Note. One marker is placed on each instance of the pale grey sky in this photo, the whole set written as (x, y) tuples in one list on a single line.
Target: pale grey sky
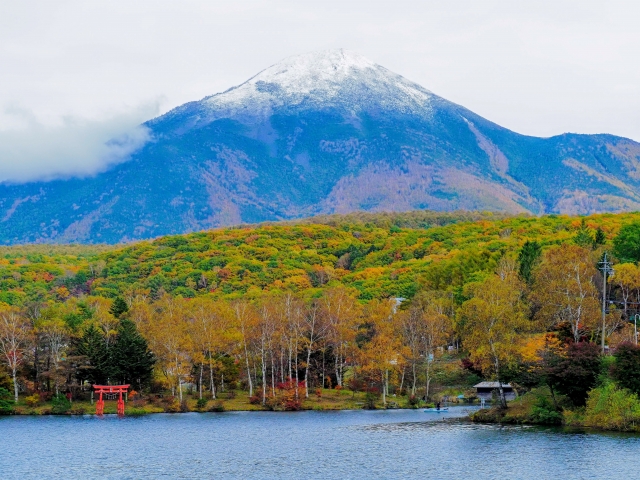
[(74, 73)]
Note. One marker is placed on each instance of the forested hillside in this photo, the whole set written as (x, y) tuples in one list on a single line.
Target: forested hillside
[(358, 301), (372, 253)]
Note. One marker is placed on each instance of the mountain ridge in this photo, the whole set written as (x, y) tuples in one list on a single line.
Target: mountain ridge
[(326, 132)]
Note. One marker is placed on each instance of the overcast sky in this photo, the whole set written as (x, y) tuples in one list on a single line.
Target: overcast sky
[(74, 74)]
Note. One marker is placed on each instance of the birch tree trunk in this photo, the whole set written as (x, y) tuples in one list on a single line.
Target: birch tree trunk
[(264, 373), (246, 357), (14, 375), (428, 375), (413, 386), (384, 390), (212, 384), (273, 378)]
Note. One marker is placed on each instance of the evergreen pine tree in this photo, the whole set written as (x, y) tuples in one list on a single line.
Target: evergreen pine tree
[(118, 307), (600, 237), (583, 238), (131, 358), (93, 346), (528, 258)]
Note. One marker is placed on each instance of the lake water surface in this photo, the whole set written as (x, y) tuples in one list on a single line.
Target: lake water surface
[(299, 445)]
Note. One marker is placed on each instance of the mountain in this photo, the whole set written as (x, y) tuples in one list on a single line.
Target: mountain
[(325, 132)]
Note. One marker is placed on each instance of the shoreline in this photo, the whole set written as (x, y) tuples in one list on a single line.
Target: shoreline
[(569, 421), (233, 401)]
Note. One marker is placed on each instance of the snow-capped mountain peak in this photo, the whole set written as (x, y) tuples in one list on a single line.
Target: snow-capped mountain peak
[(325, 79)]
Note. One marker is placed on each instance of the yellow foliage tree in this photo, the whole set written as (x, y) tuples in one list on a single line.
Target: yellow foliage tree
[(492, 322), (383, 354), (564, 290)]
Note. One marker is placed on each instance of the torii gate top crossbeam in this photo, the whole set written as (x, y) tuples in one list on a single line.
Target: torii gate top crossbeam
[(111, 388)]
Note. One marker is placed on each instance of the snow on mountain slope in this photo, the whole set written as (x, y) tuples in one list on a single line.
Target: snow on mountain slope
[(327, 79)]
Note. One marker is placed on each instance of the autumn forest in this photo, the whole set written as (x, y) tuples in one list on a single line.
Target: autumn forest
[(400, 309)]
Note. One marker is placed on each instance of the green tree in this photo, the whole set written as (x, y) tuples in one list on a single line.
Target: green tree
[(626, 245), (118, 307), (60, 404), (132, 361), (626, 370), (92, 345), (583, 237), (527, 259), (600, 238)]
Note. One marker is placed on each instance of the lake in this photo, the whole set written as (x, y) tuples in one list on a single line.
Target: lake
[(347, 444)]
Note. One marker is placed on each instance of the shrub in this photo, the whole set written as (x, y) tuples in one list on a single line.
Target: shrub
[(544, 412), (45, 396), (172, 405), (414, 401), (573, 418), (32, 400), (272, 403), (612, 408), (255, 400), (217, 407), (60, 404), (6, 402), (289, 398), (201, 403), (370, 401)]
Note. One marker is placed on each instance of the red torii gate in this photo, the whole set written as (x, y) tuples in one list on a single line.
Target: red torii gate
[(110, 389)]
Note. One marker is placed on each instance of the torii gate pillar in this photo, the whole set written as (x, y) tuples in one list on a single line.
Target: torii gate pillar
[(120, 389)]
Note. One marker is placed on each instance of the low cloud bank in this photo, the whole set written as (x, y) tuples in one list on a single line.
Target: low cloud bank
[(74, 147)]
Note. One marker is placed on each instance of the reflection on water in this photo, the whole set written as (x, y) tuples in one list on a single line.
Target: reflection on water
[(352, 444)]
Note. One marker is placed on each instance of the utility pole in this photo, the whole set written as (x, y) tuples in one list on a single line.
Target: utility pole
[(606, 269)]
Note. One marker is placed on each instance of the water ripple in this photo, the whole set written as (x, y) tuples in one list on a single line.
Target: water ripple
[(327, 445)]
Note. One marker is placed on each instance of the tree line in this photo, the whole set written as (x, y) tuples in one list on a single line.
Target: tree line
[(265, 341)]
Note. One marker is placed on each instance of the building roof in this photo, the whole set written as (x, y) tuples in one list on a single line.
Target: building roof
[(492, 385)]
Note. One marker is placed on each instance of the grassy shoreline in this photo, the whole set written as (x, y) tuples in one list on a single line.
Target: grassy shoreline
[(329, 400)]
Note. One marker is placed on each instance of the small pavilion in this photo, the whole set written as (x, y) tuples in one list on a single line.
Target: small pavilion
[(485, 390)]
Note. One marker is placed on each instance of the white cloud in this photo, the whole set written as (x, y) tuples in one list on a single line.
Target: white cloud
[(73, 146)]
